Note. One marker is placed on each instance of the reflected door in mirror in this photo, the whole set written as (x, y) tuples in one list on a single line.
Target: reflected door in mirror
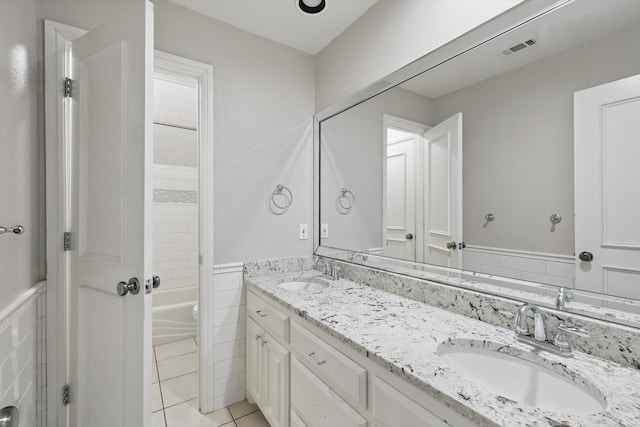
[(607, 149)]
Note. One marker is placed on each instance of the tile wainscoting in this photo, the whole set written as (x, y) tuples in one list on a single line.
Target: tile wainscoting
[(229, 329), (23, 365)]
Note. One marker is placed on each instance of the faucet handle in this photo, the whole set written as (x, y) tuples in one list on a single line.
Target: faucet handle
[(573, 330), (337, 271)]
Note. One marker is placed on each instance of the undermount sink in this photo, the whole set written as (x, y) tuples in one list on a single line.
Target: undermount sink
[(305, 285), (514, 378)]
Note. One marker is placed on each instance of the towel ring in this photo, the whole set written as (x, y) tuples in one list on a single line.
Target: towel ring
[(286, 196), (345, 201)]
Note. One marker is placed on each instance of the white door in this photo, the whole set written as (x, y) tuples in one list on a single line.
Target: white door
[(110, 335), (442, 181), (400, 199), (607, 199)]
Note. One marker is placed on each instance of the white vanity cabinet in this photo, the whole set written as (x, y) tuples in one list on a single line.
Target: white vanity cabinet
[(268, 361), (311, 379)]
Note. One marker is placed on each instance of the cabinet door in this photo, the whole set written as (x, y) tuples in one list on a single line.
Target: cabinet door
[(254, 341), (391, 408), (317, 403), (275, 393)]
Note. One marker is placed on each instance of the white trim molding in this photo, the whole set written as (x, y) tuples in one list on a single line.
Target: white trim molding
[(203, 73)]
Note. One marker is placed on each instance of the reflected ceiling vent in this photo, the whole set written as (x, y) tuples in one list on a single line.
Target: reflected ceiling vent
[(519, 47)]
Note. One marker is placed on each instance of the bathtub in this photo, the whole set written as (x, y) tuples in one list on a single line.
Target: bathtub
[(173, 314)]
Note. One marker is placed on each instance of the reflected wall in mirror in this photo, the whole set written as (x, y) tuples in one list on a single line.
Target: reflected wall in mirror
[(509, 202)]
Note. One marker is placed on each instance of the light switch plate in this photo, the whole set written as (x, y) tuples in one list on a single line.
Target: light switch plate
[(324, 231), (304, 232)]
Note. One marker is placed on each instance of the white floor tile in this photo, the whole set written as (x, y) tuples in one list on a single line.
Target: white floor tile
[(255, 419), (180, 389), (187, 414), (241, 409), (157, 419), (156, 398), (176, 366), (177, 348), (154, 372)]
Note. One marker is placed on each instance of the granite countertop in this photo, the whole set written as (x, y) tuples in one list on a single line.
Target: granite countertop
[(403, 336)]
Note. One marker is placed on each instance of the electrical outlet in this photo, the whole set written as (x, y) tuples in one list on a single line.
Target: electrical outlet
[(304, 232), (324, 231)]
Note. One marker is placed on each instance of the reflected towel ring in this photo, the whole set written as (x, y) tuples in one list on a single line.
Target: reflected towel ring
[(286, 198), (345, 201)]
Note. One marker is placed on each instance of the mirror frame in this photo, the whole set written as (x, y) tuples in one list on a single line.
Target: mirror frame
[(511, 19)]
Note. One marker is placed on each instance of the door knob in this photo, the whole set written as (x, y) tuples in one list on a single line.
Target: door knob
[(585, 256), (156, 282), (409, 236), (452, 245), (132, 286)]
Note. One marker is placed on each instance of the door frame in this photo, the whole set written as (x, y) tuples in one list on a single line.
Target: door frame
[(203, 73), (418, 129), (57, 41)]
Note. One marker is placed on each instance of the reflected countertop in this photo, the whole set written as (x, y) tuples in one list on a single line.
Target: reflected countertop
[(402, 335)]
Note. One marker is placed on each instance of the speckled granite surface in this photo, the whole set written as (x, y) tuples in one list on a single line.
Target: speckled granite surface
[(614, 342), (403, 336)]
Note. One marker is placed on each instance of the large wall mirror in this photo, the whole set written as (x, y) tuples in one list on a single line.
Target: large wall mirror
[(514, 152)]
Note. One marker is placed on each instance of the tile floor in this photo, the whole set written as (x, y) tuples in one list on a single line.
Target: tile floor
[(175, 392)]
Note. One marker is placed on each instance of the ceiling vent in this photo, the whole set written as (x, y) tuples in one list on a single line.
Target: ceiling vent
[(518, 47)]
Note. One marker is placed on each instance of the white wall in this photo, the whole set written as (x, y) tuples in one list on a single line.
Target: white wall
[(391, 34), (264, 104), (518, 154), (352, 150), (21, 258)]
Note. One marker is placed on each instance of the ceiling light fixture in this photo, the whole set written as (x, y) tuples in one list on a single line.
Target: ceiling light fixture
[(312, 6)]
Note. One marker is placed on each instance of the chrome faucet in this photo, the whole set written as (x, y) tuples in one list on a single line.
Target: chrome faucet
[(559, 345), (522, 328), (326, 269), (564, 296)]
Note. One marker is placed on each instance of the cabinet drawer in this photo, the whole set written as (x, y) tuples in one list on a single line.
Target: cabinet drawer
[(392, 408), (268, 316), (319, 404), (341, 373)]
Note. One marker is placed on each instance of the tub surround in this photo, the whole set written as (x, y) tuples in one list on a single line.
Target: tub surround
[(402, 334)]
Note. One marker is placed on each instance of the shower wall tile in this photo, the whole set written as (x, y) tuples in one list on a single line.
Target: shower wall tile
[(229, 335), (23, 356), (175, 228)]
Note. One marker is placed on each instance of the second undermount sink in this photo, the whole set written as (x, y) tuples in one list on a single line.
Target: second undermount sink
[(524, 381), (305, 284)]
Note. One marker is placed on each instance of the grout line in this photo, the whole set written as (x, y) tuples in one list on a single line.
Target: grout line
[(177, 355), (177, 376), (249, 413)]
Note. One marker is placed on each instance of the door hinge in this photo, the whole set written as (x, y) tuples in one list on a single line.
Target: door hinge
[(67, 241), (67, 87), (66, 395)]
